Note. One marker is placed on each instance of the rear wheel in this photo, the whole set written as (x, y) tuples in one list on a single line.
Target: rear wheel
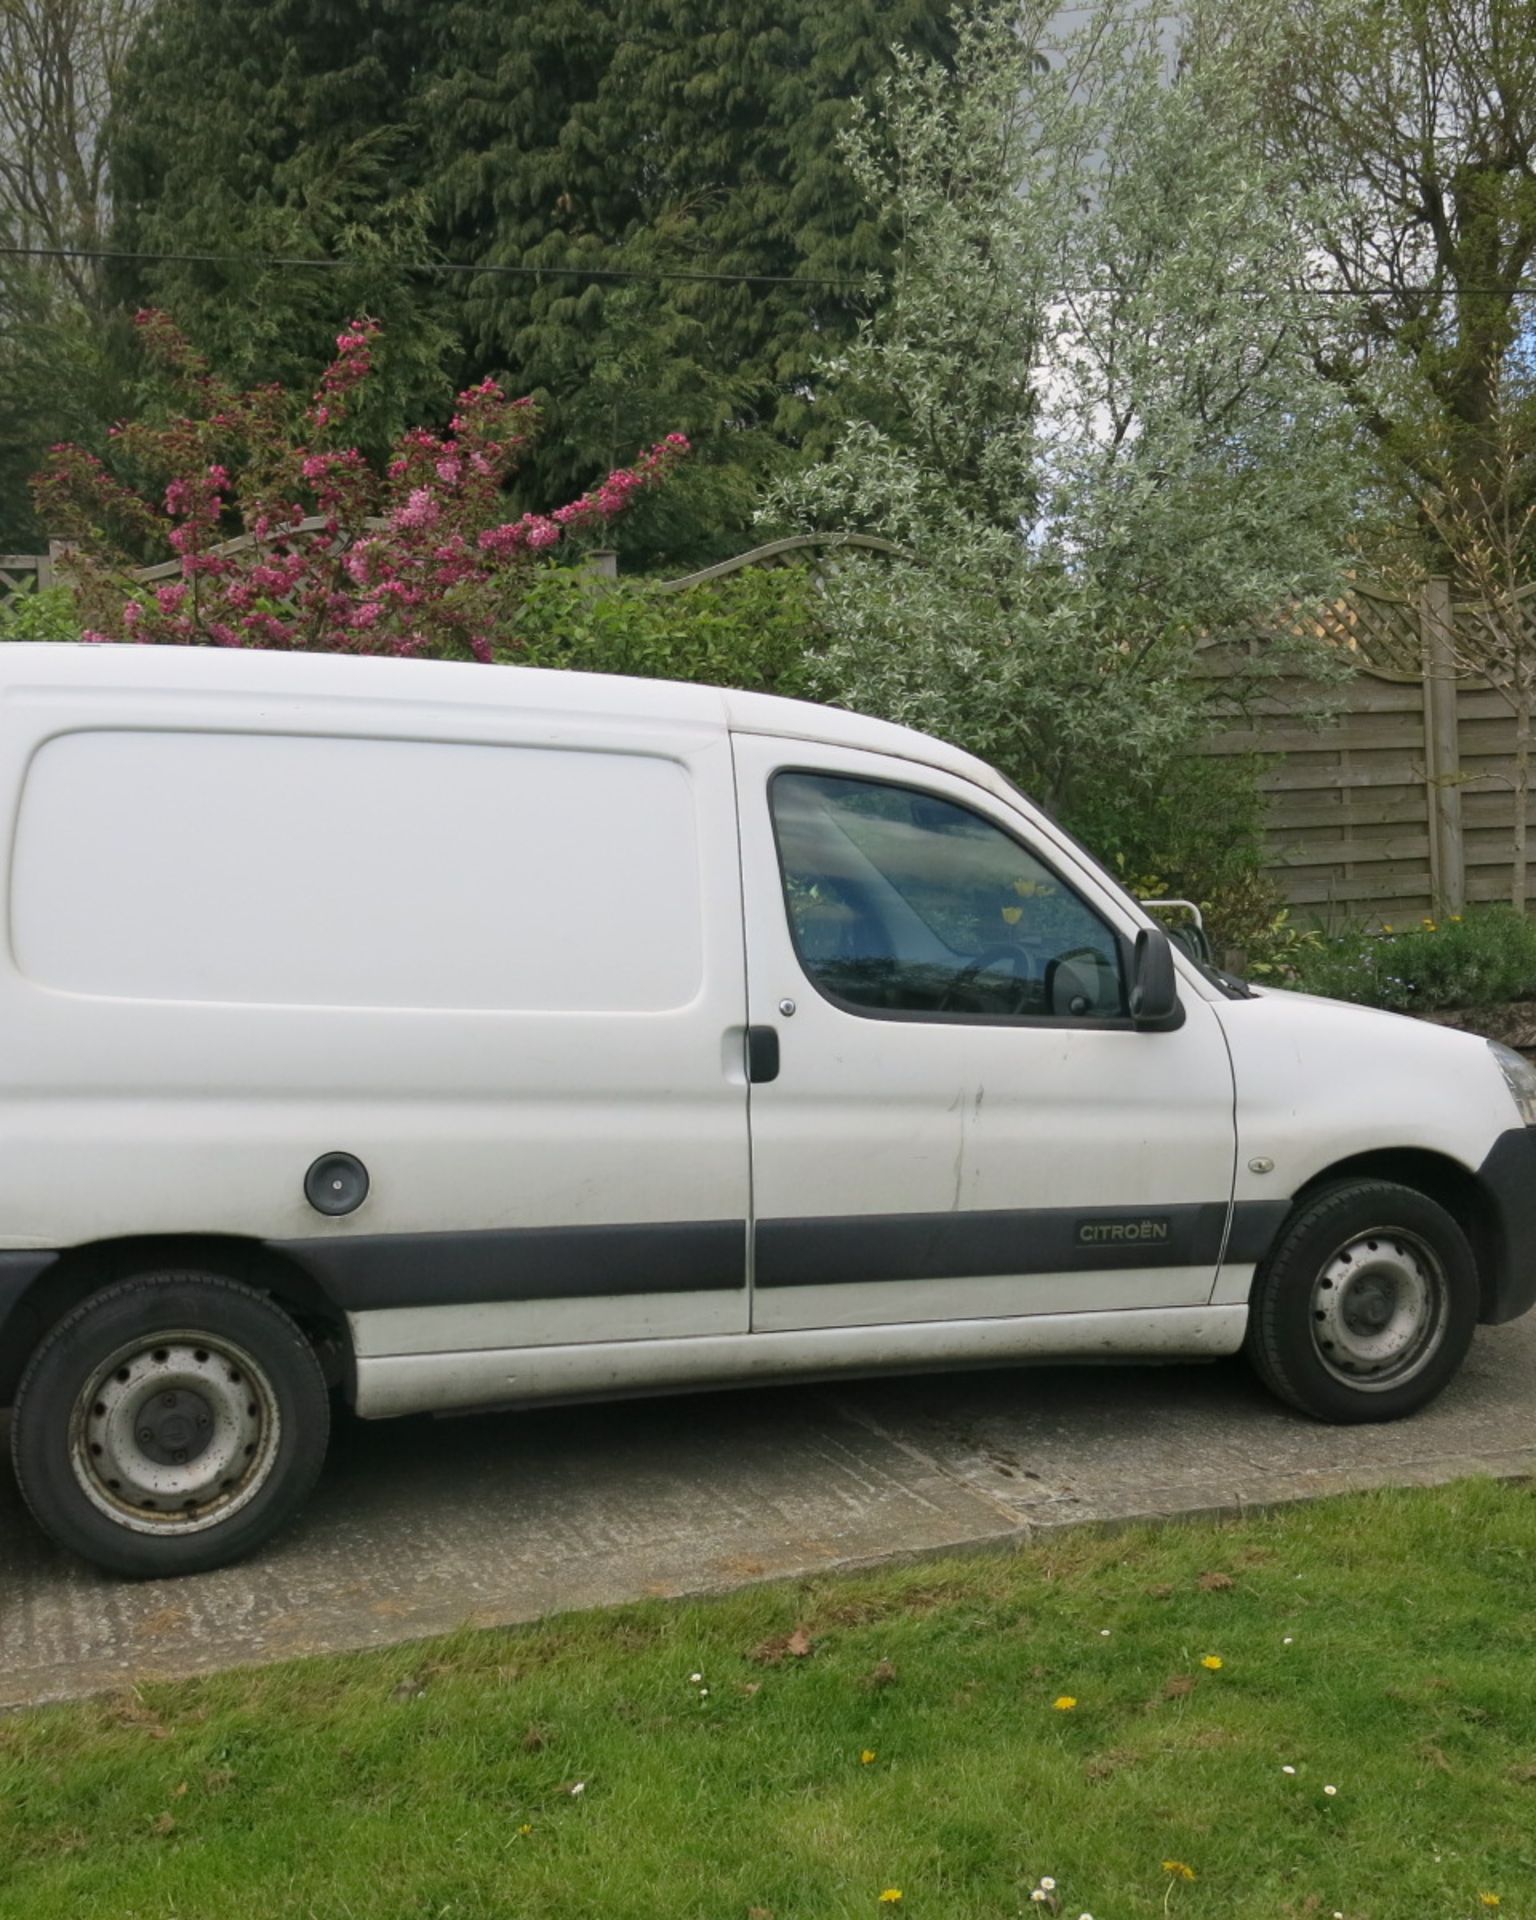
[(170, 1424), (1367, 1305)]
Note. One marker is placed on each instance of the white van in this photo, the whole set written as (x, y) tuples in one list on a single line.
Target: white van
[(448, 1036)]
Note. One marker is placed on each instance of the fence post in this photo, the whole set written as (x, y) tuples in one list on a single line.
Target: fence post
[(1442, 748)]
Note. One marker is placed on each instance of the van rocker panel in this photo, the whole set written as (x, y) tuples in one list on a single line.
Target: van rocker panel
[(511, 1376)]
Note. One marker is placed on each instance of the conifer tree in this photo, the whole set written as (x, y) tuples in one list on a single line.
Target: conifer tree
[(656, 141)]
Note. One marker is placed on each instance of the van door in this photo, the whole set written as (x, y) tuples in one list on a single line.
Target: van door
[(964, 1123)]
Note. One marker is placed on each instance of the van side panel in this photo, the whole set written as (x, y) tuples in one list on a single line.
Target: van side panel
[(496, 955)]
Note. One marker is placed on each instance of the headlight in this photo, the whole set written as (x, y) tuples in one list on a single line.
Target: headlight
[(1519, 1077)]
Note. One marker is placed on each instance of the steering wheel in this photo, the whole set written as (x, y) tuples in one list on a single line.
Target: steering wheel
[(994, 956)]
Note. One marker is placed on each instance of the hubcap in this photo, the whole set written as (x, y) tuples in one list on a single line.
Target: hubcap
[(1379, 1310), (174, 1433)]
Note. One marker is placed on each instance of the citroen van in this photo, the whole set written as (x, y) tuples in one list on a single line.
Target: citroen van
[(402, 1037)]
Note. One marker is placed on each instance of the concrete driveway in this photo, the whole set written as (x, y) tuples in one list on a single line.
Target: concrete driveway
[(420, 1526)]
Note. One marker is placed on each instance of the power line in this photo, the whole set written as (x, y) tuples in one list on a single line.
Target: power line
[(1519, 289), (558, 272)]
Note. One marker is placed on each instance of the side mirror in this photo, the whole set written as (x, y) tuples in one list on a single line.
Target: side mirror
[(1154, 983)]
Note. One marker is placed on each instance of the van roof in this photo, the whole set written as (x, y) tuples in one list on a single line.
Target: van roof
[(463, 683)]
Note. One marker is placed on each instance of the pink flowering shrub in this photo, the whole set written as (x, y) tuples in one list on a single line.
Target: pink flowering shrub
[(417, 559)]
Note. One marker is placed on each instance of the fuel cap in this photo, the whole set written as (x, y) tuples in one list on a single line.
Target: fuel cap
[(337, 1183)]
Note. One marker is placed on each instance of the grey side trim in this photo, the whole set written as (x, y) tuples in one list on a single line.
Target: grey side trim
[(848, 1248), (1508, 1178), (363, 1273), (17, 1272), (1255, 1224), (20, 1325), (367, 1273)]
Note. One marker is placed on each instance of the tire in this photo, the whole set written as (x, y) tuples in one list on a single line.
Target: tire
[(1366, 1305), (169, 1424)]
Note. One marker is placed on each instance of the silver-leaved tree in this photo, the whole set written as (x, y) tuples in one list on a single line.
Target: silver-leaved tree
[(1084, 405)]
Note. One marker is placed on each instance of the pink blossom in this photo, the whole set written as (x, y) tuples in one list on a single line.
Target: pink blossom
[(542, 532), (133, 613), (449, 470), (421, 510), (170, 596), (503, 540), (266, 627)]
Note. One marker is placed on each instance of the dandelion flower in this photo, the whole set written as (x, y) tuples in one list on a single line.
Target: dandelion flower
[(1178, 1868), (578, 1790), (1287, 1769), (1330, 1791), (1103, 1633), (525, 1829), (1213, 1661), (891, 1897), (1038, 1896), (695, 1678), (1489, 1899), (867, 1757), (1048, 1883), (1065, 1702)]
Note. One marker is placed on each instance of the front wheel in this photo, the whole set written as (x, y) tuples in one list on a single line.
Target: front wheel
[(1366, 1306), (170, 1424)]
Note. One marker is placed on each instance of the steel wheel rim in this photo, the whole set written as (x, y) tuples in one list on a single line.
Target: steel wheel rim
[(174, 1433), (1379, 1309)]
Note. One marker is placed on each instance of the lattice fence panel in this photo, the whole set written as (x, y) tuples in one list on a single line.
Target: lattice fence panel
[(21, 574)]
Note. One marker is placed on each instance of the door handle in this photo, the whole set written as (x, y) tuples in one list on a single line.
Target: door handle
[(762, 1054)]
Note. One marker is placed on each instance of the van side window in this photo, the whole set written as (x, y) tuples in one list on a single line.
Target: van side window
[(903, 903)]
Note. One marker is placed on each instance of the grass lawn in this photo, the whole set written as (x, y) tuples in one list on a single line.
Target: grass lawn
[(950, 1732)]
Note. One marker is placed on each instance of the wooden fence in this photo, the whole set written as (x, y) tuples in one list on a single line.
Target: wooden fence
[(1401, 805), (24, 573)]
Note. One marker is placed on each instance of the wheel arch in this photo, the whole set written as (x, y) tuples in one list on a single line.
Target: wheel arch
[(1441, 1179), (77, 1272)]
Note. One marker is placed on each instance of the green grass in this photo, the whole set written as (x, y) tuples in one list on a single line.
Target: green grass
[(1384, 1644)]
